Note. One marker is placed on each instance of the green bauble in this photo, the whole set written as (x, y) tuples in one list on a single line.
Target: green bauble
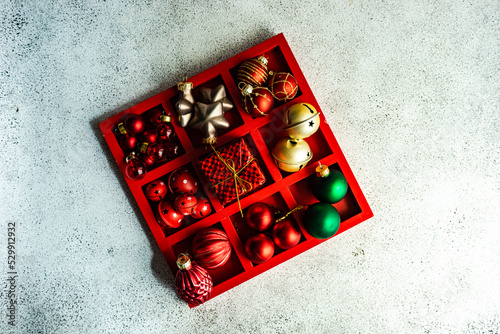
[(321, 220), (330, 188)]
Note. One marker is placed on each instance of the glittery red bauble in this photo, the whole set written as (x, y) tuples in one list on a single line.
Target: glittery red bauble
[(192, 282), (182, 181), (185, 203), (259, 102), (168, 216), (172, 149), (259, 216), (165, 131), (253, 71), (153, 116), (203, 208), (135, 169), (156, 190), (149, 136), (157, 152), (127, 142), (211, 248), (283, 86), (134, 124), (259, 248), (286, 234)]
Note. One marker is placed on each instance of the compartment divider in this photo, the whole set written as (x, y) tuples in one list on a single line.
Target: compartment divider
[(265, 154), (236, 243)]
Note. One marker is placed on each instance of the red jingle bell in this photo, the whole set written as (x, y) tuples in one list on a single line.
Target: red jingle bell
[(168, 216), (182, 181), (253, 71), (132, 124), (165, 129), (135, 169), (259, 216), (211, 248), (285, 234), (127, 142), (259, 248), (153, 116), (156, 190), (192, 282), (258, 102), (203, 208), (149, 136), (283, 86), (185, 204)]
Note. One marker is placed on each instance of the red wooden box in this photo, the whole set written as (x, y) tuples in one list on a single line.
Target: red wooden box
[(283, 190)]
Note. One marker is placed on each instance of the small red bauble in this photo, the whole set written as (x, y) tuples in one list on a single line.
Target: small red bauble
[(144, 158), (185, 203), (149, 136), (211, 248), (259, 216), (285, 234), (259, 248), (155, 151), (258, 101), (135, 169), (156, 190), (127, 142), (165, 131), (172, 149), (283, 86), (168, 216), (203, 208), (192, 282), (153, 116), (253, 71), (182, 181), (132, 124)]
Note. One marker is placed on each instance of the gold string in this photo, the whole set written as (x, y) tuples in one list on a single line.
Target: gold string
[(300, 207)]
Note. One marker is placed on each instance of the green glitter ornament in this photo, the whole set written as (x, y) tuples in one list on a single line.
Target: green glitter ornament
[(321, 220), (329, 186)]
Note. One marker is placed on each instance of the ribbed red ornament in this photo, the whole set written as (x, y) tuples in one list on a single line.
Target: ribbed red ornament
[(211, 248), (283, 86), (253, 71), (192, 282)]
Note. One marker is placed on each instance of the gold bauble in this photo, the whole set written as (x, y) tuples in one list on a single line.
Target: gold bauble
[(301, 121), (291, 155)]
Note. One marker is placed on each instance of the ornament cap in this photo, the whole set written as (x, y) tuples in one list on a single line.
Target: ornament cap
[(210, 140), (184, 85), (184, 262), (121, 128), (143, 147), (262, 59), (131, 156), (322, 171), (166, 118), (247, 90)]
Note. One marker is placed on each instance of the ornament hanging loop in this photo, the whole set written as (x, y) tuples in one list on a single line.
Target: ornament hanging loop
[(300, 207)]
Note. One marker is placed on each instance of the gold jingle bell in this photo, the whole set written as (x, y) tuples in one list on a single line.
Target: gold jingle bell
[(301, 121), (291, 155)]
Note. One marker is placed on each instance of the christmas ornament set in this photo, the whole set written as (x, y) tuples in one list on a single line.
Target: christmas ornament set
[(207, 179)]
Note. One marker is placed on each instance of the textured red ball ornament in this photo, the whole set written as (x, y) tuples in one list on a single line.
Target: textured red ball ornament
[(283, 86), (203, 208), (192, 282), (259, 216), (211, 248), (258, 101), (128, 142), (185, 204), (135, 169), (168, 216), (153, 116), (156, 190), (285, 234), (149, 136), (182, 181), (132, 124), (253, 71), (259, 248)]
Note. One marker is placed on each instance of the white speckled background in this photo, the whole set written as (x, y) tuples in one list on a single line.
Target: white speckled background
[(411, 90)]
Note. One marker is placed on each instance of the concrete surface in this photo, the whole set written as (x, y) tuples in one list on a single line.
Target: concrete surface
[(411, 89)]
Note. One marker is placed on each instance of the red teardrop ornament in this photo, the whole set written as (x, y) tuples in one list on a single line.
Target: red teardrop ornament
[(192, 282), (211, 248)]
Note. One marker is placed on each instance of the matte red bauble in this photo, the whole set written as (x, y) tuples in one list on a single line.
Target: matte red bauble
[(168, 216), (127, 142), (149, 136), (203, 208), (259, 248), (185, 203), (285, 234), (192, 282), (211, 248), (182, 181), (153, 116), (132, 124), (258, 102), (253, 71), (135, 169), (156, 190), (259, 216), (283, 86)]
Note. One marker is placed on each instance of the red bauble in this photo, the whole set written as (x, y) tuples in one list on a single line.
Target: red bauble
[(156, 190), (172, 149), (203, 208), (135, 169), (192, 282), (149, 136), (165, 131), (259, 248), (182, 181), (185, 204), (153, 116), (259, 216), (258, 102), (211, 248), (144, 158), (283, 86), (253, 71), (127, 142), (285, 234), (132, 124), (155, 151), (168, 216)]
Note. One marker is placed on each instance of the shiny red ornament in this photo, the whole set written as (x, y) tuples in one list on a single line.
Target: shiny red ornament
[(285, 234), (132, 124), (165, 129), (168, 216), (153, 116), (155, 151), (128, 142), (259, 216), (144, 158), (185, 203), (135, 169), (172, 149), (211, 248), (253, 71), (192, 282), (258, 102), (149, 136), (182, 181), (203, 208), (283, 86), (259, 248), (156, 190)]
